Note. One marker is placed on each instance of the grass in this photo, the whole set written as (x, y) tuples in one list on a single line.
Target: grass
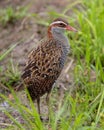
[(82, 109), (10, 15)]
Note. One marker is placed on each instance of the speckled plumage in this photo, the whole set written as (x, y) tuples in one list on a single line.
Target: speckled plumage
[(44, 67), (46, 62)]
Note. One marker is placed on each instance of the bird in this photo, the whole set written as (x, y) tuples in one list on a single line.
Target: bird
[(46, 61)]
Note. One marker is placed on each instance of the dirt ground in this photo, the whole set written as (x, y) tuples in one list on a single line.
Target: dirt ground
[(26, 32)]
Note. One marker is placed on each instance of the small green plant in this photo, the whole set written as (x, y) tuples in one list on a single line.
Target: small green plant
[(4, 54), (12, 75), (10, 15)]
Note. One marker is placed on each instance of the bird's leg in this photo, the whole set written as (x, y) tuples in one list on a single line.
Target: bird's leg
[(38, 104), (48, 102)]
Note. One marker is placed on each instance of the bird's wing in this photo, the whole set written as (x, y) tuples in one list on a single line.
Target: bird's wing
[(44, 64)]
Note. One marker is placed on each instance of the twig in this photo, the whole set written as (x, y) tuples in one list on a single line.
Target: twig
[(95, 99), (3, 86), (69, 66), (5, 124)]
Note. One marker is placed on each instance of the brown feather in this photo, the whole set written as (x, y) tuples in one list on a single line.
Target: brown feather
[(43, 67)]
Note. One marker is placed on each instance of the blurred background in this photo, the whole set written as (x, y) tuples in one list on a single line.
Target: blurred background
[(80, 99)]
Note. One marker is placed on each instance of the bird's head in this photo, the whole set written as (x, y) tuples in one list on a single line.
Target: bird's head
[(59, 25)]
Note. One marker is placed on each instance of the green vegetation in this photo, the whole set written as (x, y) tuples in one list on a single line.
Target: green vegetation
[(82, 109), (10, 15)]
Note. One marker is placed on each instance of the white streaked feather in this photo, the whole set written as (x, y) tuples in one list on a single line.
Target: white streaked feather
[(57, 22)]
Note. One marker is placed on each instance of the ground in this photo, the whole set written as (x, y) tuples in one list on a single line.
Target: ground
[(26, 33)]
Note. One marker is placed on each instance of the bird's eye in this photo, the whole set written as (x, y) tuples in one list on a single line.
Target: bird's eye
[(62, 25)]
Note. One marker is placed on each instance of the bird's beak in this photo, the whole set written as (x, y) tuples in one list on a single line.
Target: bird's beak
[(69, 28)]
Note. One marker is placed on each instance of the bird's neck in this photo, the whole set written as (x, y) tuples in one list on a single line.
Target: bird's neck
[(57, 34), (60, 36)]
